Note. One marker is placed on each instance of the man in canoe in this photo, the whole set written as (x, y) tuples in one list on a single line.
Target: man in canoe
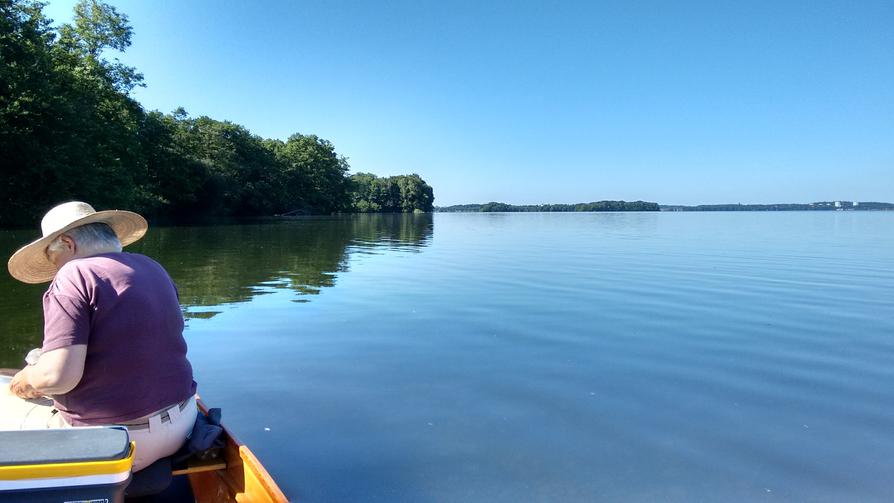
[(113, 349)]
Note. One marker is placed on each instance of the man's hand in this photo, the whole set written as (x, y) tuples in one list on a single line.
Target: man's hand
[(19, 386)]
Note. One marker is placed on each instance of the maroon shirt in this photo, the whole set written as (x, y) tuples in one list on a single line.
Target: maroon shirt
[(125, 308)]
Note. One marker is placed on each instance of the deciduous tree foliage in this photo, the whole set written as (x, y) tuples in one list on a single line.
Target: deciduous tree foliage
[(395, 194), (69, 129)]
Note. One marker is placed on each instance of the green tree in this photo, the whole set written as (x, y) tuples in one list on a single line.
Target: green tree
[(28, 104), (177, 181), (69, 129), (395, 194), (103, 121), (314, 174)]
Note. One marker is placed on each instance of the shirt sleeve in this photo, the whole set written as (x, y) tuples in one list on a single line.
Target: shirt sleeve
[(66, 321)]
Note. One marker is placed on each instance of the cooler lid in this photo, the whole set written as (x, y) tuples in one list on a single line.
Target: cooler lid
[(68, 445)]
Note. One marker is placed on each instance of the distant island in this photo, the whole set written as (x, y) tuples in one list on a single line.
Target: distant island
[(818, 206), (493, 207)]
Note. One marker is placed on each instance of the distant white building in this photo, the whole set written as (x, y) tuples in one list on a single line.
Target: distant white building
[(838, 204), (856, 203)]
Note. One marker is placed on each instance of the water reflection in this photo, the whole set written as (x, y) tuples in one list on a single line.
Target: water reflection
[(226, 264)]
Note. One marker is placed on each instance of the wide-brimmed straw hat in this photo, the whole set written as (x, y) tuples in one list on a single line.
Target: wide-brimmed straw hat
[(30, 263)]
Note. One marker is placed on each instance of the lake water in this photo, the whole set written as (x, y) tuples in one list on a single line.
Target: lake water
[(541, 357)]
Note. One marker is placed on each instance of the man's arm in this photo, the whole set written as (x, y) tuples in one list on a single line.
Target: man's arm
[(56, 372)]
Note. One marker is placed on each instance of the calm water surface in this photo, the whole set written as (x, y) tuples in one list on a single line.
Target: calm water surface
[(541, 357)]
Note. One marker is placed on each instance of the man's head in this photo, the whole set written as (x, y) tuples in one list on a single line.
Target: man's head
[(83, 241), (74, 230)]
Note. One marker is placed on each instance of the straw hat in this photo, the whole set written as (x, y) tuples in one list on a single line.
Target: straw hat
[(30, 263)]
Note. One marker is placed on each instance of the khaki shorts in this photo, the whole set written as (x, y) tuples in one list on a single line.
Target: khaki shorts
[(156, 435)]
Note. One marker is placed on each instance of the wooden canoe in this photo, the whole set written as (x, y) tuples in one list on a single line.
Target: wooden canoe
[(239, 477)]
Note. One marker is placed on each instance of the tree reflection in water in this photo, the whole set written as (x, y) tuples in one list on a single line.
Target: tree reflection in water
[(228, 263)]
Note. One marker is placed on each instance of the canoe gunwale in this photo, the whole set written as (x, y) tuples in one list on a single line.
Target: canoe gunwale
[(244, 479)]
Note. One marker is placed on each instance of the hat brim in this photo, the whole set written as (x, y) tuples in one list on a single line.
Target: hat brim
[(30, 264)]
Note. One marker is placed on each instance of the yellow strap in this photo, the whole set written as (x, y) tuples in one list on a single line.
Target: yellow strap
[(78, 469)]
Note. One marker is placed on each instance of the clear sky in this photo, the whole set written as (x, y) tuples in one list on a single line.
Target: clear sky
[(534, 102)]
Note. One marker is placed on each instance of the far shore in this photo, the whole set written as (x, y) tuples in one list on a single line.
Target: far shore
[(601, 206)]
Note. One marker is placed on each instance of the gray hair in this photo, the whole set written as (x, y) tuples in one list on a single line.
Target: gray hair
[(91, 239)]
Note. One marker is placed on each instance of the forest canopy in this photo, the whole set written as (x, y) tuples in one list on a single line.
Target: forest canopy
[(70, 129)]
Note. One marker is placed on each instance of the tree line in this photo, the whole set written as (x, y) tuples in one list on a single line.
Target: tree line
[(593, 206), (403, 193), (69, 129), (817, 206)]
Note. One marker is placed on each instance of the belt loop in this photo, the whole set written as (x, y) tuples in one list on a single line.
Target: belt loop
[(155, 423), (174, 413), (50, 423)]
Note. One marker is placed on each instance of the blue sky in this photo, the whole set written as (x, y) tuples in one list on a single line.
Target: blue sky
[(535, 102)]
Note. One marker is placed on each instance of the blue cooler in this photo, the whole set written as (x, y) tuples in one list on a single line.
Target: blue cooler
[(71, 464)]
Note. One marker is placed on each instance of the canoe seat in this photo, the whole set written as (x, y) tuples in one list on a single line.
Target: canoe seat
[(197, 465)]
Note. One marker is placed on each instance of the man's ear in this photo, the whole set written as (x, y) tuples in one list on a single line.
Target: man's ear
[(70, 243)]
